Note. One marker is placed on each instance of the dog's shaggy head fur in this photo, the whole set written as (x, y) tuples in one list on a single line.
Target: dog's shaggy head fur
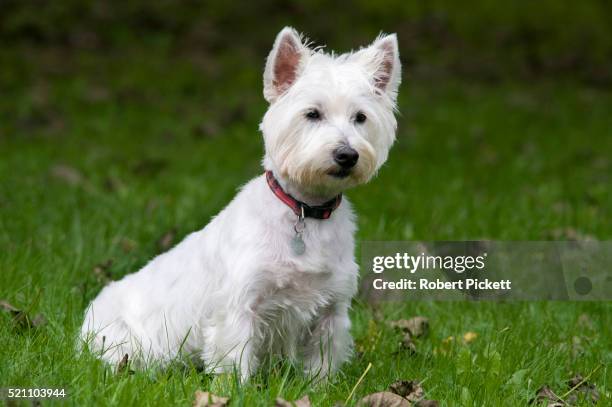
[(320, 102)]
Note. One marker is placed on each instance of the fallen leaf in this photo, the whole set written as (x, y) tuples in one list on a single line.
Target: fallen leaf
[(383, 399), (416, 326), (586, 389), (6, 306), (127, 245), (469, 337), (546, 394), (207, 129), (67, 174), (165, 242), (571, 234), (584, 321), (407, 344), (206, 399), (39, 320), (101, 271), (123, 366), (21, 319), (411, 390), (303, 402)]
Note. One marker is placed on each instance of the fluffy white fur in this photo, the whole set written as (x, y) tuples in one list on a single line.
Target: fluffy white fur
[(234, 292)]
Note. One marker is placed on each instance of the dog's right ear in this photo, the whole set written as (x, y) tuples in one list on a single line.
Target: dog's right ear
[(284, 63)]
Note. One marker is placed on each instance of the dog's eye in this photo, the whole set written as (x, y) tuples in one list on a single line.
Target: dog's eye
[(313, 114), (360, 117)]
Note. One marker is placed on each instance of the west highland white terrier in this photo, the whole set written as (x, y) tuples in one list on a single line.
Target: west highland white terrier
[(274, 272)]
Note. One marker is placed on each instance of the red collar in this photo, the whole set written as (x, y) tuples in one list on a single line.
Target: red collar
[(318, 212)]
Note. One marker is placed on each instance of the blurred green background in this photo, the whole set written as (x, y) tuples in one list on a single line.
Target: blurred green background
[(483, 40), (504, 107), (213, 52)]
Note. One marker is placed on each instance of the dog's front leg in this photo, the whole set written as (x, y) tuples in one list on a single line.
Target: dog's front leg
[(330, 343), (235, 346)]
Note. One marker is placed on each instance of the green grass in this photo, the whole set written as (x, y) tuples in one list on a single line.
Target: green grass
[(161, 143)]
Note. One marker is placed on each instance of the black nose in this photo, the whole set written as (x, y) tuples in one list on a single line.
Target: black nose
[(346, 157)]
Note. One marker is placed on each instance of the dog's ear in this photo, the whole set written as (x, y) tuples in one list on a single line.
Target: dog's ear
[(381, 60), (283, 65)]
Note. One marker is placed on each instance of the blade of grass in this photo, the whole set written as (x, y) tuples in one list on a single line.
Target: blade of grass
[(358, 382)]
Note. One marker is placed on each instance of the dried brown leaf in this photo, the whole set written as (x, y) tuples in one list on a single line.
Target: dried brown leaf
[(411, 390), (124, 364), (101, 271), (165, 242), (383, 399), (21, 319), (416, 326), (6, 306), (546, 394), (407, 344), (206, 399), (303, 402), (207, 129), (584, 321), (588, 390), (571, 234), (39, 320), (67, 174), (127, 245)]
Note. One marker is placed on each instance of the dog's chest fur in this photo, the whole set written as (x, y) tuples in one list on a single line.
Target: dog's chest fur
[(294, 290), (293, 296)]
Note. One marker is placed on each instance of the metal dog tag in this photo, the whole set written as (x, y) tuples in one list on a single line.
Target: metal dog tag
[(298, 247)]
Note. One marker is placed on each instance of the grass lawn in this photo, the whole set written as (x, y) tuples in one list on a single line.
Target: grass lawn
[(101, 157)]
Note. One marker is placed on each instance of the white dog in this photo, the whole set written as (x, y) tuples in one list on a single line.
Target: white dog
[(274, 272)]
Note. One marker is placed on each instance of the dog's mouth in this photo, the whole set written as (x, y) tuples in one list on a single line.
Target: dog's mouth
[(340, 172)]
